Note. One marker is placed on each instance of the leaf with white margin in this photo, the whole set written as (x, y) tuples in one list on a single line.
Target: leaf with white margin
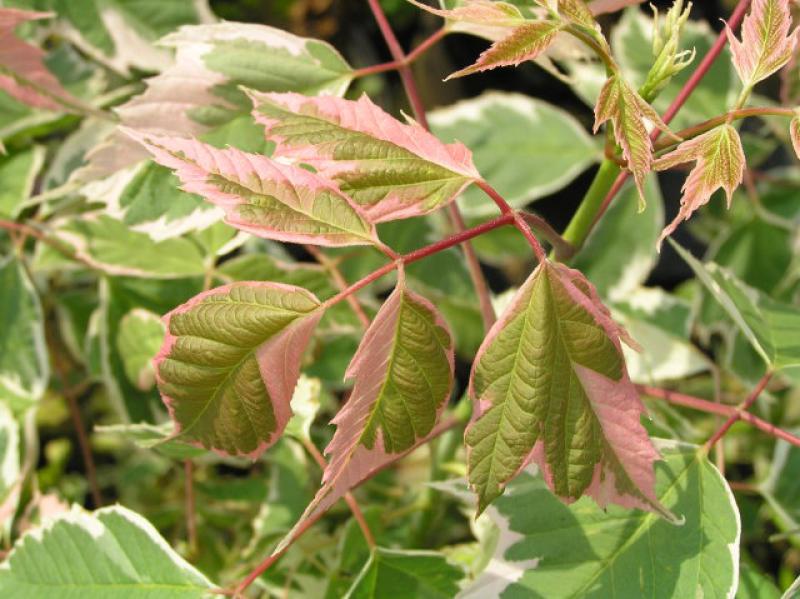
[(24, 365), (407, 575), (108, 245), (554, 550), (230, 362), (403, 372), (509, 132), (122, 34), (261, 196), (139, 338), (23, 74), (10, 485), (771, 327), (550, 386), (158, 437), (201, 90), (112, 552), (305, 405), (391, 169), (17, 176)]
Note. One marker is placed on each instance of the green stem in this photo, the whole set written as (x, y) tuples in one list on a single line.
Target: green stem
[(581, 223)]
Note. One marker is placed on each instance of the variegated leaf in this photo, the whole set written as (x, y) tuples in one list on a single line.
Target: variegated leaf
[(794, 134), (719, 163), (230, 362), (403, 372), (261, 196), (391, 169), (550, 386), (22, 72), (628, 113), (766, 43)]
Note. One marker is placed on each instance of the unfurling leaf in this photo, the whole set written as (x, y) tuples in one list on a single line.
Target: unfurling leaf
[(392, 170), (525, 42), (628, 112), (766, 43), (794, 133), (719, 161), (230, 362), (261, 196), (22, 72), (403, 372), (550, 386)]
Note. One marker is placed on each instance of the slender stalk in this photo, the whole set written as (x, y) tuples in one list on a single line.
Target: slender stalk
[(702, 69), (728, 117), (348, 497), (562, 248), (395, 65), (519, 221), (578, 229), (340, 281), (710, 407), (743, 407), (419, 254), (37, 233), (454, 214), (191, 516)]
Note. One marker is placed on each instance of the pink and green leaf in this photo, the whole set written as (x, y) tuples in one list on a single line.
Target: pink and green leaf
[(627, 111), (391, 169), (487, 13), (262, 196), (719, 163), (550, 386), (766, 44), (230, 361), (23, 74), (403, 373)]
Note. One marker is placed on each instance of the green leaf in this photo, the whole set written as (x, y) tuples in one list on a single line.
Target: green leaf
[(17, 176), (621, 251), (406, 575), (525, 147), (553, 550), (138, 339), (158, 437), (550, 385), (781, 491), (230, 361), (772, 328), (112, 247), (754, 584), (112, 552), (24, 365)]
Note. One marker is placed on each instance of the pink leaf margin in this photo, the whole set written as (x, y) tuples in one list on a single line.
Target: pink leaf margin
[(199, 159), (278, 359)]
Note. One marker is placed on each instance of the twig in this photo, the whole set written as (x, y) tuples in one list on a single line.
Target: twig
[(348, 497), (743, 407), (454, 214), (410, 58), (702, 405), (340, 281)]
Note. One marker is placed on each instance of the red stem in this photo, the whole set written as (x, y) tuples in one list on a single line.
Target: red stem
[(421, 253), (519, 221), (687, 89), (410, 86), (710, 407), (743, 407), (395, 65)]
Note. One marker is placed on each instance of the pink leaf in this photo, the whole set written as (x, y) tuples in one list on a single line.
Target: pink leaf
[(261, 196), (230, 361), (480, 12), (628, 112), (766, 43), (719, 163), (403, 372), (393, 170), (25, 76)]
